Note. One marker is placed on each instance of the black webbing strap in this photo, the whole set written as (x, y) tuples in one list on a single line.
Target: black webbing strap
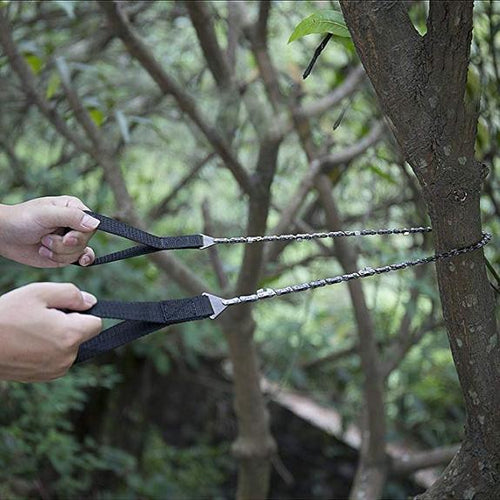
[(140, 318), (148, 242)]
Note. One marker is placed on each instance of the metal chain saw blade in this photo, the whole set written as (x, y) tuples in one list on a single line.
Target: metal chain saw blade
[(313, 236), (219, 304)]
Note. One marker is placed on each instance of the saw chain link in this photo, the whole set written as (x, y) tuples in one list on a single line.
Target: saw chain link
[(267, 293)]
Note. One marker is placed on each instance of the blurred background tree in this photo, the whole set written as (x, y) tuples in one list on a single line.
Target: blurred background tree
[(188, 117)]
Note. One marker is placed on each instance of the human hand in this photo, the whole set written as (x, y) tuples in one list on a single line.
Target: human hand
[(38, 341), (32, 233)]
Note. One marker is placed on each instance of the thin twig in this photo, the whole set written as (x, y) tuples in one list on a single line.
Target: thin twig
[(139, 51), (317, 53), (348, 87), (162, 206)]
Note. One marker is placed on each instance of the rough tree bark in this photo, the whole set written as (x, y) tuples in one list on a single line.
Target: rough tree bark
[(420, 82)]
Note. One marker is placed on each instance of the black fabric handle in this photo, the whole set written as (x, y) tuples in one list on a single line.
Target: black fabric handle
[(148, 242), (140, 318)]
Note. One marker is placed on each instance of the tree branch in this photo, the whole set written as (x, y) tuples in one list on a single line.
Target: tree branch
[(233, 34), (258, 211), (256, 33), (330, 358), (404, 465), (399, 348), (261, 24), (29, 86), (349, 153), (160, 209), (201, 18), (372, 469), (167, 85), (323, 164), (99, 151), (449, 26), (326, 103), (114, 175)]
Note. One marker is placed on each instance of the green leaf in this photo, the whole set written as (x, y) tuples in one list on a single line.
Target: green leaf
[(97, 116), (52, 85), (34, 62), (325, 21)]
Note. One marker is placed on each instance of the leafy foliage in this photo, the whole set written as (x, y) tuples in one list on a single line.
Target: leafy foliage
[(176, 473), (37, 437), (325, 21)]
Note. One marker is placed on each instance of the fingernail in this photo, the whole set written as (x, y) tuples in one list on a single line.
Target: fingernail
[(45, 252), (89, 222), (47, 241), (70, 242), (85, 260), (89, 299)]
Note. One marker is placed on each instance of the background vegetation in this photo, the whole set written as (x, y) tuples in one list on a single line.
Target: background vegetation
[(156, 418)]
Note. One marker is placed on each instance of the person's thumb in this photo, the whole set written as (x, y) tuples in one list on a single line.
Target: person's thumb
[(64, 296), (74, 218)]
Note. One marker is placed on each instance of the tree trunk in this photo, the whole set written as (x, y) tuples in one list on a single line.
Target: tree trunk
[(254, 446), (436, 130)]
